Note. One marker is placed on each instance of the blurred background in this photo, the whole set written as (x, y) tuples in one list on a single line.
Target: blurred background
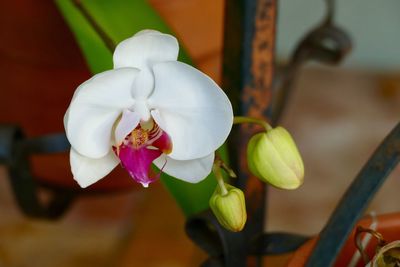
[(338, 116)]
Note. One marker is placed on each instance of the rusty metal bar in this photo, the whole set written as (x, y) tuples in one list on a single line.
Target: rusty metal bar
[(327, 43), (248, 67), (355, 201)]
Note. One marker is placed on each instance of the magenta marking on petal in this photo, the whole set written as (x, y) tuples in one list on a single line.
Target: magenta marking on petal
[(163, 142), (139, 149), (137, 161)]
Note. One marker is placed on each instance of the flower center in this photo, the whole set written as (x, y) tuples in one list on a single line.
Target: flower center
[(139, 137), (140, 148)]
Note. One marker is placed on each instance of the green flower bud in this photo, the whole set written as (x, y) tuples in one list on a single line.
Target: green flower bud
[(229, 208), (273, 157)]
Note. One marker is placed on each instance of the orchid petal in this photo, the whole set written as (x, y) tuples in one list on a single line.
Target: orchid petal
[(192, 171), (191, 108), (129, 121), (144, 84), (163, 143), (145, 48), (96, 105), (87, 171)]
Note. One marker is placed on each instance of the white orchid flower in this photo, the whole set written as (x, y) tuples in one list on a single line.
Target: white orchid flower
[(149, 109)]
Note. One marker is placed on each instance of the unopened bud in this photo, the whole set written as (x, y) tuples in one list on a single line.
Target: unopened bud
[(229, 209), (273, 157)]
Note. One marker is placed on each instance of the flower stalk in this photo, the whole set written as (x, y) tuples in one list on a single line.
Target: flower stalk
[(242, 119), (217, 166), (220, 179)]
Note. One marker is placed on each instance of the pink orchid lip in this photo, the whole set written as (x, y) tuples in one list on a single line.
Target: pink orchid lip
[(138, 151)]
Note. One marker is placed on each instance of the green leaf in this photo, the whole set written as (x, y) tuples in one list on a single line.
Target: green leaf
[(97, 55), (193, 198), (121, 19)]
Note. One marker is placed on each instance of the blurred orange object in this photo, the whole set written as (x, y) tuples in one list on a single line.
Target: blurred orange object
[(40, 66), (387, 224), (199, 24)]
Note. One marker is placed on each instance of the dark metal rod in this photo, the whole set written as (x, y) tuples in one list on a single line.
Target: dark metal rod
[(52, 143), (356, 200), (15, 150), (327, 43), (277, 243), (330, 11), (248, 66), (25, 188)]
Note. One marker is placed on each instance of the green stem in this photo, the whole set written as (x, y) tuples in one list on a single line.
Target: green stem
[(219, 177), (240, 119)]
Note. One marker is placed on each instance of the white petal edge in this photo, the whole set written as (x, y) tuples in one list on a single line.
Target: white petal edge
[(96, 105), (191, 108), (128, 122), (87, 171), (145, 48), (192, 171)]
